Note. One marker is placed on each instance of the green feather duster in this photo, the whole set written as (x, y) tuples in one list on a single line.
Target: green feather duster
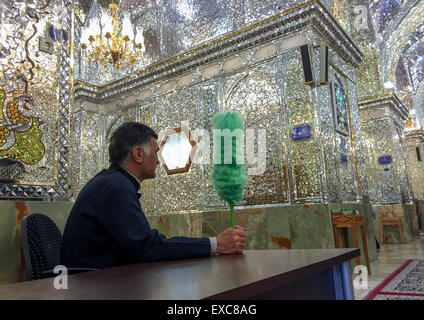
[(229, 176)]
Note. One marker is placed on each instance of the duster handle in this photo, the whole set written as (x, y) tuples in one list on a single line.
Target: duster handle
[(233, 218)]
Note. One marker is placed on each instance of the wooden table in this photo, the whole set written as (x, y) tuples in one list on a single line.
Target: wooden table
[(255, 274), (344, 221)]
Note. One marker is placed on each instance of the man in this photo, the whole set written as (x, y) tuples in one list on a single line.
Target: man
[(418, 212), (107, 227), (366, 200)]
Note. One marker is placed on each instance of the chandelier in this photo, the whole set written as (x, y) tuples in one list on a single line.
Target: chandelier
[(112, 42)]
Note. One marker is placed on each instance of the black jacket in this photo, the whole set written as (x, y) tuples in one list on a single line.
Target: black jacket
[(107, 227)]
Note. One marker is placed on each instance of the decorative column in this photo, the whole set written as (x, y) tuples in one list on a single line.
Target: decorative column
[(86, 150), (415, 147), (383, 133)]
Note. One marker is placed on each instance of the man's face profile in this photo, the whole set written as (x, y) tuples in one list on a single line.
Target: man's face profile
[(150, 161)]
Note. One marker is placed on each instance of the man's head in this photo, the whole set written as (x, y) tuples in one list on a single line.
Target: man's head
[(134, 146)]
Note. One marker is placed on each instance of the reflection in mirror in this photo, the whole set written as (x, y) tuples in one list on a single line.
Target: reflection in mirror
[(176, 150)]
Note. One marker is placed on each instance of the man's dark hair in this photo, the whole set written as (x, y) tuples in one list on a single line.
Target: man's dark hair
[(126, 137)]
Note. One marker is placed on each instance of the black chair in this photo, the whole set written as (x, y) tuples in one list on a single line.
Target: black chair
[(41, 240)]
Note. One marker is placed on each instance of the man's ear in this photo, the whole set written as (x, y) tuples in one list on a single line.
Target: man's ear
[(137, 154)]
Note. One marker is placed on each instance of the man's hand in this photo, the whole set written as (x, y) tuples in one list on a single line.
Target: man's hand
[(231, 241)]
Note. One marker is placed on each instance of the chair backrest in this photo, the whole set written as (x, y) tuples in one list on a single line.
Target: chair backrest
[(41, 240), (387, 215)]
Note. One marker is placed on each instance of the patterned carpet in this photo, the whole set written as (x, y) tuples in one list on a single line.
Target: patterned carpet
[(406, 283)]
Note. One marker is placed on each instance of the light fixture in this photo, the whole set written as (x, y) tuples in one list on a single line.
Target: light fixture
[(177, 150), (108, 41), (389, 85)]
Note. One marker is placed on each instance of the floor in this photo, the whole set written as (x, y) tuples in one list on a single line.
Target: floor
[(390, 257)]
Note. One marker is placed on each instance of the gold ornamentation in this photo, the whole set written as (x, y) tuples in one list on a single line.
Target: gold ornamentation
[(4, 133), (113, 45), (28, 146), (22, 143), (226, 37), (13, 113)]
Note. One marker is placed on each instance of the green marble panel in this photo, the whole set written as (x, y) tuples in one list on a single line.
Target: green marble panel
[(286, 227), (310, 226), (10, 259), (210, 224), (411, 221), (420, 218), (255, 223), (278, 228), (253, 220), (11, 214), (186, 225), (161, 223)]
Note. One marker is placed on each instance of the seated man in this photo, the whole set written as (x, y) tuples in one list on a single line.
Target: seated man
[(107, 227)]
